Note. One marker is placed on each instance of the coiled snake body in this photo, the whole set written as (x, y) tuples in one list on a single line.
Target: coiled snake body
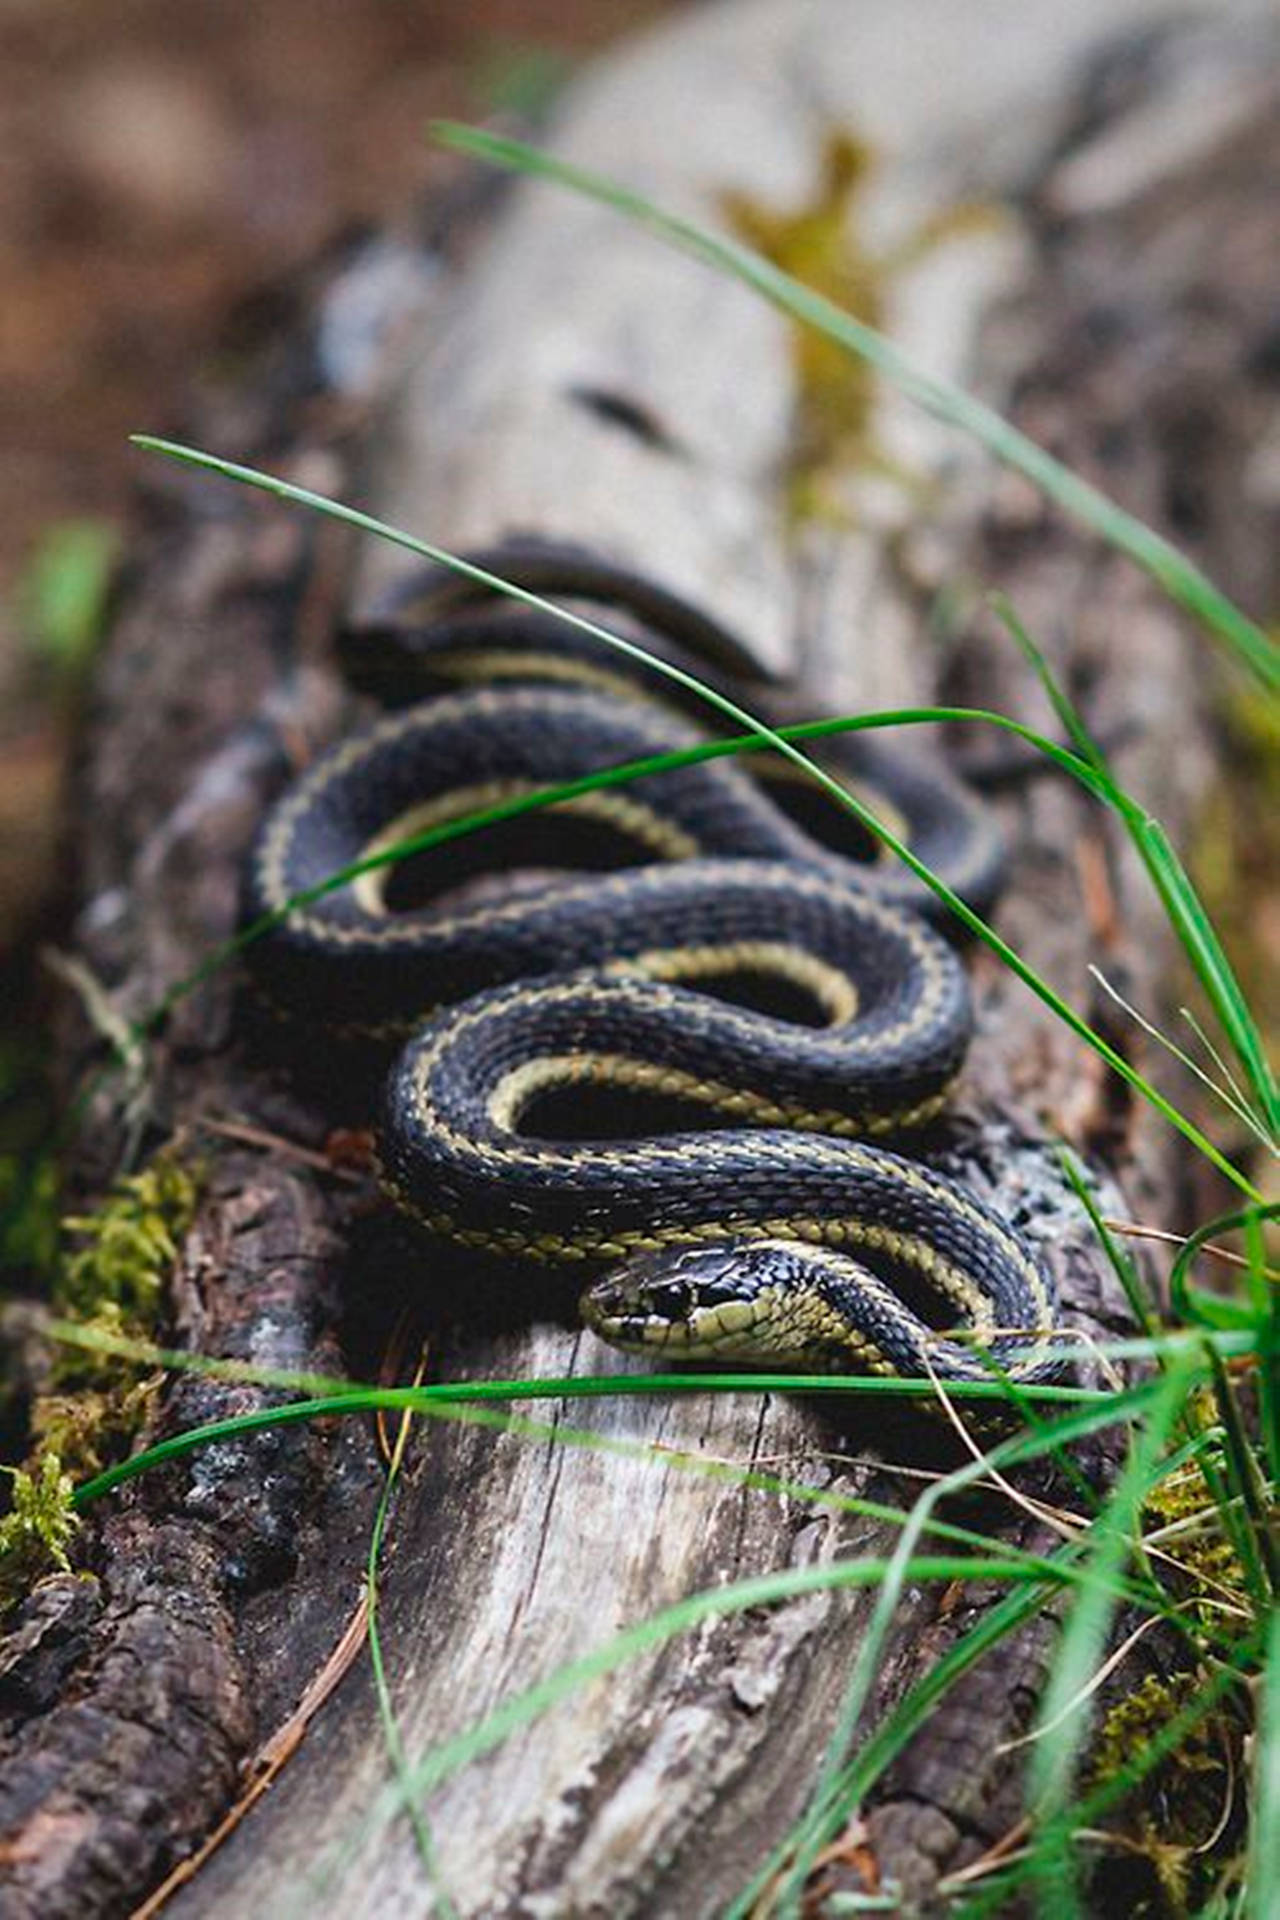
[(679, 1071)]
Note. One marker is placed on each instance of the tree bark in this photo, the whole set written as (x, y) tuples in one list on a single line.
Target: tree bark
[(571, 378)]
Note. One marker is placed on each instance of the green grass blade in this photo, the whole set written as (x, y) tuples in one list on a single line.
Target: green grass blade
[(1195, 1307), (356, 1399), (1171, 569), (391, 1734), (1183, 907), (1264, 1824), (1200, 942), (1256, 1544), (1069, 715), (352, 1399), (1121, 1262), (1064, 1706), (1265, 1287), (1157, 1747), (888, 1741)]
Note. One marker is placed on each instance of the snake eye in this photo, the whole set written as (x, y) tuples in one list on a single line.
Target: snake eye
[(670, 1299)]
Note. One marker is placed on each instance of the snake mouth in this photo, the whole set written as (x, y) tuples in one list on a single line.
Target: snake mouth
[(731, 1329)]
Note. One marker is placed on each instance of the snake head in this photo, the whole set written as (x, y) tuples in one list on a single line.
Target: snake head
[(758, 1301)]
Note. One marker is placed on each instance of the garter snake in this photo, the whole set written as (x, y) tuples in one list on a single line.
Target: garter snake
[(677, 1069)]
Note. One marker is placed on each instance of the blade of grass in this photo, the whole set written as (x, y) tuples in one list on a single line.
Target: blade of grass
[(817, 1825), (1183, 908), (347, 1396), (399, 1399), (1193, 1305), (1258, 1548), (1204, 950), (391, 1734), (335, 1393), (1172, 570), (1069, 716), (1053, 1761), (1265, 1288), (1263, 1874), (413, 1401), (1120, 1261)]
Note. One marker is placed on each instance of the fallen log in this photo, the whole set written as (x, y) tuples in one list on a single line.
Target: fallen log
[(567, 377)]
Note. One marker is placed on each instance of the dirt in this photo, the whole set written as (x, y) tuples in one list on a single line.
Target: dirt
[(163, 164)]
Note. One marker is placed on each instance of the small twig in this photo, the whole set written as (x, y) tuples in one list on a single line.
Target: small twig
[(999, 1854), (276, 1143), (1134, 1230), (1064, 1530), (1228, 1801), (1090, 1687)]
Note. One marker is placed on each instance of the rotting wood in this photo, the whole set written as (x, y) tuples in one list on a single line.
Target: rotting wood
[(659, 1790)]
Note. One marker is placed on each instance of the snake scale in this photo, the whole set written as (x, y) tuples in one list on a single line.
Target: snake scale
[(665, 1051)]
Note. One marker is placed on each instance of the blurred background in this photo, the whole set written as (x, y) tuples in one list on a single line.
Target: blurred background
[(163, 165)]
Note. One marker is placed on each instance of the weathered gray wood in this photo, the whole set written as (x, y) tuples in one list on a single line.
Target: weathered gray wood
[(659, 1789)]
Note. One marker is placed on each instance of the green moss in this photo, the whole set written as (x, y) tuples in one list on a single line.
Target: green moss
[(29, 1196), (1177, 1828), (38, 1528), (1206, 1558), (1174, 1818), (97, 1403), (111, 1280), (127, 1246), (823, 244), (65, 590)]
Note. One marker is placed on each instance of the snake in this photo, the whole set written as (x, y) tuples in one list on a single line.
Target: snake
[(671, 1036)]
